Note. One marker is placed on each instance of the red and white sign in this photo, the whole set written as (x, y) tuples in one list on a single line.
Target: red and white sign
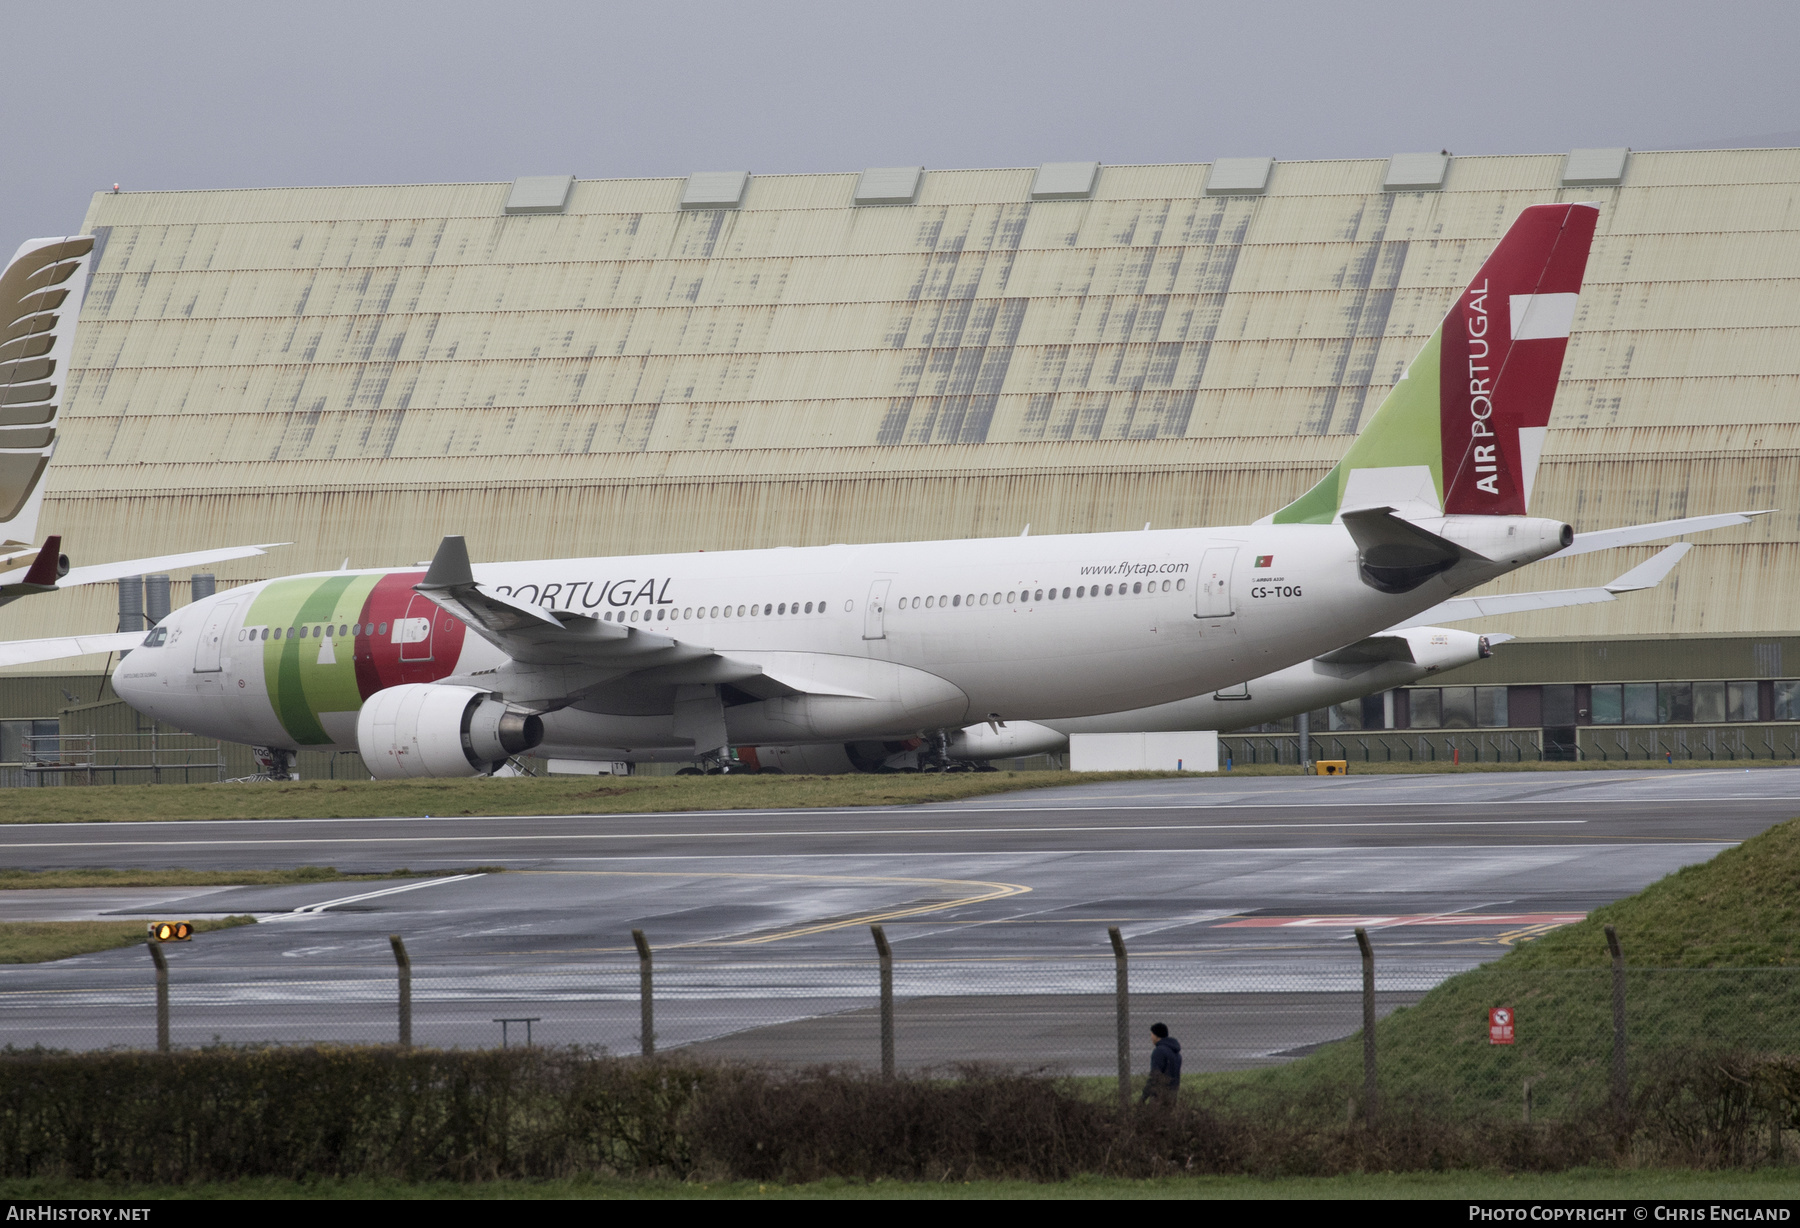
[(1500, 1026)]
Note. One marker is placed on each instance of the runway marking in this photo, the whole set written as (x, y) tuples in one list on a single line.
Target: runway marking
[(310, 909), (735, 835), (999, 891), (1545, 919)]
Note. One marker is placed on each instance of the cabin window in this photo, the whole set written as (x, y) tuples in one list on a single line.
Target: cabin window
[(740, 611), (957, 600), (1010, 597), (1040, 595), (1109, 590), (1138, 587), (930, 602), (1180, 584), (381, 630), (783, 609), (1065, 594)]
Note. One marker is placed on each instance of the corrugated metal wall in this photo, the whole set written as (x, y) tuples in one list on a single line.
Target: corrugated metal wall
[(364, 369)]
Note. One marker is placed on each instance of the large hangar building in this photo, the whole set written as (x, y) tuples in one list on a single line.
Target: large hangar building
[(562, 367)]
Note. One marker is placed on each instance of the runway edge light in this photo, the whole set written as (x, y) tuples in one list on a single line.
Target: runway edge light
[(171, 931)]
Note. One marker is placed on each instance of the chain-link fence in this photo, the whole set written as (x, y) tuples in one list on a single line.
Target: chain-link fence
[(1511, 1040)]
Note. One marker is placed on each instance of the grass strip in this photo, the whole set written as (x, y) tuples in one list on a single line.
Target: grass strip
[(34, 942), (556, 795), (39, 880), (1671, 1184)]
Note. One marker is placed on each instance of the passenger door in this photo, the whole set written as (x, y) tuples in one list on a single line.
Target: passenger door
[(875, 613), (1212, 591), (212, 638), (413, 633)]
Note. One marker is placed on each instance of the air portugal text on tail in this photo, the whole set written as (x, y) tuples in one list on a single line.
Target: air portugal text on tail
[(1462, 431)]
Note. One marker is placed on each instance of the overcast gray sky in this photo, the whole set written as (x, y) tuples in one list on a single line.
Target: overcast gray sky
[(214, 95)]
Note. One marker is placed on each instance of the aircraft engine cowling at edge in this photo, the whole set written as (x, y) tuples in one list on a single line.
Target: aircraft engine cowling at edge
[(423, 730)]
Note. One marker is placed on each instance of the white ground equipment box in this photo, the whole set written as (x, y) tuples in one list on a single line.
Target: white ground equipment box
[(1144, 752)]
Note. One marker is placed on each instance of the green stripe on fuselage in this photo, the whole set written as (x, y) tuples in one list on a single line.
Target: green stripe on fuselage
[(300, 686)]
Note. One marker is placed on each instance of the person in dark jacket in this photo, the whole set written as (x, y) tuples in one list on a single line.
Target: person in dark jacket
[(1165, 1066)]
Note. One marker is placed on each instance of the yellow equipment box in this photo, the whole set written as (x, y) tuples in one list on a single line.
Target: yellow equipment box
[(1332, 767)]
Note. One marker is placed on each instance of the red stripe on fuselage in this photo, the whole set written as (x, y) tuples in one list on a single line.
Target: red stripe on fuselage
[(379, 660)]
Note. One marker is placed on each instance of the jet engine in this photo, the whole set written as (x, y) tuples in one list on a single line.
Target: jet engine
[(424, 730), (1006, 741)]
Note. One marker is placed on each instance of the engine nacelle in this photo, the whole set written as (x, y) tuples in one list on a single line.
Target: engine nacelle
[(424, 730), (1008, 741)]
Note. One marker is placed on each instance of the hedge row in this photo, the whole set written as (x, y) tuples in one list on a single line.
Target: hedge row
[(472, 1115)]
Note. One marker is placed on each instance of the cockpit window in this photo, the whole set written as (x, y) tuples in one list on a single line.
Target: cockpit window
[(157, 638)]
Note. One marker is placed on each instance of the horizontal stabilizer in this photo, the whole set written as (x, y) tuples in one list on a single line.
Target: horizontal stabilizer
[(1645, 575), (29, 652), (1638, 534)]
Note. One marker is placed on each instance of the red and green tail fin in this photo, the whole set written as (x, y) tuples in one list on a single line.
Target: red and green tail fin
[(1461, 432)]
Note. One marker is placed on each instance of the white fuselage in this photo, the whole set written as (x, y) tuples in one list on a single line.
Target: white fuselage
[(897, 637)]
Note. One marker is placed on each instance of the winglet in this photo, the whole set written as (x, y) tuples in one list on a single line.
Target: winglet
[(1650, 573), (449, 566), (44, 571)]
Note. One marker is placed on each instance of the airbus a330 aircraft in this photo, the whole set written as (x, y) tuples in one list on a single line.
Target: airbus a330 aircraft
[(40, 301), (677, 656)]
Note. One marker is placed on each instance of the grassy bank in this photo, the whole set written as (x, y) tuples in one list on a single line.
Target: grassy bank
[(32, 942), (1713, 981), (336, 799)]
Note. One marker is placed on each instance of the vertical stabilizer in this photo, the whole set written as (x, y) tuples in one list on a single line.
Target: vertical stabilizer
[(40, 301), (1462, 431)]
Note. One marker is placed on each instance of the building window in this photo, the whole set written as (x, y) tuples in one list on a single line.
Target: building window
[(1640, 703), (1606, 704), (1490, 707), (1709, 703), (1426, 709), (1457, 708), (1674, 703), (1740, 701), (1787, 701)]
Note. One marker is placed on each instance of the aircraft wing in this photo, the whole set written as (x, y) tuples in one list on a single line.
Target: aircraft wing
[(29, 652), (1645, 575), (24, 581), (1637, 534), (599, 653)]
